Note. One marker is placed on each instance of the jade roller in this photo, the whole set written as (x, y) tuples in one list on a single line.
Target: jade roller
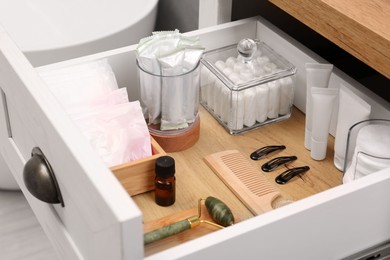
[(218, 211)]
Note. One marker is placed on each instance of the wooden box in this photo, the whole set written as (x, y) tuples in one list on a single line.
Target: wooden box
[(138, 176)]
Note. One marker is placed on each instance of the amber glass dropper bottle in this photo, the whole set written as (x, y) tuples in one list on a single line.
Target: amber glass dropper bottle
[(165, 187)]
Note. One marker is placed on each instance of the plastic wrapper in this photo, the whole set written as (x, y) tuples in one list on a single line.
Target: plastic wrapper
[(115, 97), (169, 80), (118, 132), (76, 85), (90, 95)]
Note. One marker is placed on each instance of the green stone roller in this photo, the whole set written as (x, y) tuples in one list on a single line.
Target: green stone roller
[(218, 211)]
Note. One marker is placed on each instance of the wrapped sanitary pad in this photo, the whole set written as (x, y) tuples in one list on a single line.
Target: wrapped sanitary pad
[(169, 81), (78, 84), (117, 132), (114, 127)]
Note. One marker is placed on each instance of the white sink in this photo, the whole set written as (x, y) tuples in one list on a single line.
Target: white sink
[(48, 31)]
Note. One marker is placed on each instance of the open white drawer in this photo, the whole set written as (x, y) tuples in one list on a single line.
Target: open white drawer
[(95, 224)]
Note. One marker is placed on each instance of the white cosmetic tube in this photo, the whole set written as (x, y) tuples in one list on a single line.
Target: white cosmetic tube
[(317, 75), (352, 109), (322, 108)]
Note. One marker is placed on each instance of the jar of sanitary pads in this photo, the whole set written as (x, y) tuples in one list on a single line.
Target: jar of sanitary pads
[(168, 73), (170, 106), (246, 85)]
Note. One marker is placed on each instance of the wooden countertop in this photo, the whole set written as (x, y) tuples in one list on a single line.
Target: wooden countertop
[(360, 27), (194, 179)]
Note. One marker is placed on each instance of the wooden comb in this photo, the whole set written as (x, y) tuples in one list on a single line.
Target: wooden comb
[(250, 186)]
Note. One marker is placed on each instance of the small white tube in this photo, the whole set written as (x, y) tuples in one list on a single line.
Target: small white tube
[(236, 121), (226, 103), (322, 109), (352, 109), (273, 99), (286, 95), (205, 80), (218, 88), (262, 102), (249, 107), (317, 75)]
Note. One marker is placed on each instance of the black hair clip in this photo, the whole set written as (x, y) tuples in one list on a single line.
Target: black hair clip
[(276, 162), (260, 153), (284, 177)]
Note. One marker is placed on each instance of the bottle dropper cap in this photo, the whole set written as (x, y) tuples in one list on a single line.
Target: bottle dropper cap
[(165, 167)]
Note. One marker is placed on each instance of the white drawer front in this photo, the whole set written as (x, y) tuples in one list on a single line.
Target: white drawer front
[(93, 223)]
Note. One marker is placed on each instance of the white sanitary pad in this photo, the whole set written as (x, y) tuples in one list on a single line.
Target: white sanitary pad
[(169, 81), (118, 132), (89, 93)]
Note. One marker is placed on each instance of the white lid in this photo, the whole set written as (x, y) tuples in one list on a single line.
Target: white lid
[(318, 150)]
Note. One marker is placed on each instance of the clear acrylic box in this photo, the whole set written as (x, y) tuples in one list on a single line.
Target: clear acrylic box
[(246, 91)]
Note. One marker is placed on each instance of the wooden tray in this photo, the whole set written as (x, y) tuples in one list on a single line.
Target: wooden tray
[(138, 176)]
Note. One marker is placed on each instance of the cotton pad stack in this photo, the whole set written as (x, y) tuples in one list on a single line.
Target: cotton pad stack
[(372, 152), (248, 89), (90, 95)]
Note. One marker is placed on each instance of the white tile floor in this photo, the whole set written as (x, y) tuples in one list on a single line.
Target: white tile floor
[(21, 236)]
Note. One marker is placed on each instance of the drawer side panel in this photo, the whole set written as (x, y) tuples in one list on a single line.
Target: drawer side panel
[(91, 225)]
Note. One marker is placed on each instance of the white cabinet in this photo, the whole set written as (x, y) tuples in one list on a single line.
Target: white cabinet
[(100, 221), (7, 180)]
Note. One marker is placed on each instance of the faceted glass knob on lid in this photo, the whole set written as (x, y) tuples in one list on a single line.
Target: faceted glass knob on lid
[(247, 48)]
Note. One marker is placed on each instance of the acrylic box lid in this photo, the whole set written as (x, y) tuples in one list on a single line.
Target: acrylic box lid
[(239, 70)]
